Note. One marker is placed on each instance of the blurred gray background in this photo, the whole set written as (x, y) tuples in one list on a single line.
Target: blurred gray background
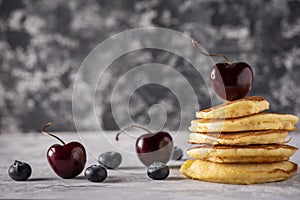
[(43, 42)]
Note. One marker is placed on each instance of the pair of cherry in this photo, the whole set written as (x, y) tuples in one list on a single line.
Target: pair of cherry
[(68, 160)]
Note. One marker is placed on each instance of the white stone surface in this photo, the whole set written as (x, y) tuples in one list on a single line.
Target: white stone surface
[(130, 181)]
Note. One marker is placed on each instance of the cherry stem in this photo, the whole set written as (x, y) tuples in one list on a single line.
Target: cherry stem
[(130, 126), (195, 44), (50, 134)]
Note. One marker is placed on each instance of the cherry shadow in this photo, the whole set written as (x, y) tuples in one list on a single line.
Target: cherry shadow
[(79, 177), (41, 179)]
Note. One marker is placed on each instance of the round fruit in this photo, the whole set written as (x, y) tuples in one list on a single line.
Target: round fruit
[(66, 160), (110, 159), (231, 81), (19, 171), (158, 171), (152, 147), (95, 173), (177, 153)]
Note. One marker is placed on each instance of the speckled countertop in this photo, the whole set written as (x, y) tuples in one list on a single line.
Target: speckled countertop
[(129, 181)]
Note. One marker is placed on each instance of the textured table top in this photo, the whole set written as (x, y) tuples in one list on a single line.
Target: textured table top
[(130, 181)]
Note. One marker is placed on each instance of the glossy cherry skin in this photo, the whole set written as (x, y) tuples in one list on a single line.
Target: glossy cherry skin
[(232, 82), (155, 147), (68, 160)]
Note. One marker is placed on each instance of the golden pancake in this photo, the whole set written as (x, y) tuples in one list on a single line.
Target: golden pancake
[(239, 138), (234, 109), (238, 173), (247, 153), (260, 121)]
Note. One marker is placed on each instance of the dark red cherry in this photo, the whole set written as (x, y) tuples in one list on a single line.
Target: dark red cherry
[(232, 82), (66, 160), (152, 147)]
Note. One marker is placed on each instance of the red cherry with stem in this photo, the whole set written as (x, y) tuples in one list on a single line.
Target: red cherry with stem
[(66, 160), (152, 147), (231, 81)]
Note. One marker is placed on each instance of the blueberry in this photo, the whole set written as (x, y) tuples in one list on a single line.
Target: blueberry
[(158, 171), (95, 173), (110, 159), (177, 153), (19, 171)]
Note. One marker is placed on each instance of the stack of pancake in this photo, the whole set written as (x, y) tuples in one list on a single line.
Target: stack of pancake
[(237, 143)]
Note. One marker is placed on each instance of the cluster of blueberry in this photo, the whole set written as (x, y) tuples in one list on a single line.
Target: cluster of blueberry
[(21, 171)]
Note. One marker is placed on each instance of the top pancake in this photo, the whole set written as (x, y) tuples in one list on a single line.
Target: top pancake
[(234, 109)]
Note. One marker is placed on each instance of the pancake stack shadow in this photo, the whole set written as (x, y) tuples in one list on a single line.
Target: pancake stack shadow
[(237, 143)]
